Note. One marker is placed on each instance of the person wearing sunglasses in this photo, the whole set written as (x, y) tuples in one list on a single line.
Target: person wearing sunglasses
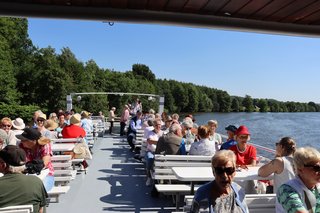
[(221, 194), (6, 125), (282, 165), (302, 194)]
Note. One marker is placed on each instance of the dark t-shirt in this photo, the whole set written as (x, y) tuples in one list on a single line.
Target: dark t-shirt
[(21, 189)]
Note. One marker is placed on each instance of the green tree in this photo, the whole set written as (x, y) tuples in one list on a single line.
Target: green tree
[(235, 106), (144, 72), (247, 103), (263, 105)]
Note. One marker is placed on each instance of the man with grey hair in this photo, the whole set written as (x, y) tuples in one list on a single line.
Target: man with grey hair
[(170, 143), (17, 188)]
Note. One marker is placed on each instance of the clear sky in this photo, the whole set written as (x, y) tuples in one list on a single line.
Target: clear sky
[(284, 68)]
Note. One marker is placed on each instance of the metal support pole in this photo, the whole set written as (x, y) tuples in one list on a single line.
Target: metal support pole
[(69, 102), (161, 104)]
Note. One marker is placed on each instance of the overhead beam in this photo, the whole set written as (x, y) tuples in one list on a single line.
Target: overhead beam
[(156, 17)]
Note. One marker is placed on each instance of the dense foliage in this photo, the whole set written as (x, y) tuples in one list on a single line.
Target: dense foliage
[(34, 78)]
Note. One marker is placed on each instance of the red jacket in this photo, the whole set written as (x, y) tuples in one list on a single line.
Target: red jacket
[(73, 131)]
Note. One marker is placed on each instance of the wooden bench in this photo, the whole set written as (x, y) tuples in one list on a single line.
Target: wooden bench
[(17, 209), (56, 191), (257, 203)]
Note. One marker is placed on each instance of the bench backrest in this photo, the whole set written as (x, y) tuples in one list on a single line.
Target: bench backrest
[(18, 208), (163, 164)]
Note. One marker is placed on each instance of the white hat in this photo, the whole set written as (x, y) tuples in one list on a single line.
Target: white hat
[(18, 123)]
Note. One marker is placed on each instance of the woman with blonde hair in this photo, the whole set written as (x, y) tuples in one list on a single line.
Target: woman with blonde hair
[(302, 194)]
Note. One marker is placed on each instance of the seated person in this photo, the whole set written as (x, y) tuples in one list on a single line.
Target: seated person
[(230, 141), (282, 165), (215, 137), (17, 188), (204, 146), (221, 194), (302, 194), (152, 140), (38, 148), (74, 130), (134, 124), (246, 156), (170, 144)]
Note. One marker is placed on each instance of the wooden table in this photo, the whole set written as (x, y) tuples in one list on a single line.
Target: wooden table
[(194, 174)]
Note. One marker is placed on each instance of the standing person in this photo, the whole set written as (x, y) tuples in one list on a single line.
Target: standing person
[(221, 194), (281, 166), (302, 194), (17, 188), (231, 129), (111, 119), (124, 119), (38, 148)]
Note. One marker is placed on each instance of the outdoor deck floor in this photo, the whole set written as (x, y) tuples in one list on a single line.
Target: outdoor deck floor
[(115, 182)]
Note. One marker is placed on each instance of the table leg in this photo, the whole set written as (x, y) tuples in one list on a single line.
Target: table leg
[(177, 201), (192, 188)]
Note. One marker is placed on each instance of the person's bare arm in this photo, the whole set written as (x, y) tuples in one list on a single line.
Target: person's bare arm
[(274, 166), (46, 159)]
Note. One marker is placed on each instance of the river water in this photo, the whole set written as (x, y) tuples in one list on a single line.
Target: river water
[(267, 128)]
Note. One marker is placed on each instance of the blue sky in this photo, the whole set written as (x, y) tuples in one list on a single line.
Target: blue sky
[(260, 65)]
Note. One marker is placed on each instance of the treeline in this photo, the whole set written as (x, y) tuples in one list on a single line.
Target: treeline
[(39, 78)]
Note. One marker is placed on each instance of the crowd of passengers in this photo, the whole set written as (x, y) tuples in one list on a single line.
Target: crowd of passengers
[(25, 147), (296, 170)]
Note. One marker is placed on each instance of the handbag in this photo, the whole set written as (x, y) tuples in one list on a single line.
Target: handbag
[(81, 150)]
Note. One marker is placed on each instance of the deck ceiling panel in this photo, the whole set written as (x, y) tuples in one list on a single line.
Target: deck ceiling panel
[(290, 9), (305, 16), (214, 6), (176, 5), (157, 5), (118, 4), (271, 8), (137, 4), (300, 17), (231, 8), (99, 3), (194, 5), (252, 8)]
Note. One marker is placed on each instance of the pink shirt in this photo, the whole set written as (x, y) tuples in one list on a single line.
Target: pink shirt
[(125, 116), (39, 153)]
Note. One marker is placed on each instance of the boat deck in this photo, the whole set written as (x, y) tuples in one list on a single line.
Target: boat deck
[(115, 182)]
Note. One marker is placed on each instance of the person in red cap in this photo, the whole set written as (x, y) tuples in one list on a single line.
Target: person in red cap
[(246, 154)]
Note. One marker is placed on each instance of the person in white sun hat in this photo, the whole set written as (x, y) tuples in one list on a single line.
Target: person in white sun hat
[(18, 125)]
